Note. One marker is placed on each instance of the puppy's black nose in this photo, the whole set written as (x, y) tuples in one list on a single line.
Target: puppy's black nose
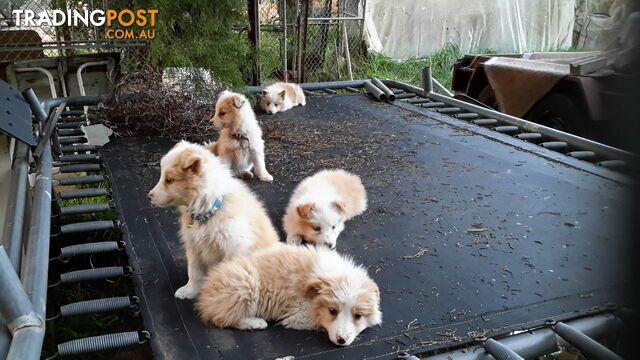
[(341, 341)]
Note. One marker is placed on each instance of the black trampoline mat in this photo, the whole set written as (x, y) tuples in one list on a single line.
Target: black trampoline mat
[(468, 232)]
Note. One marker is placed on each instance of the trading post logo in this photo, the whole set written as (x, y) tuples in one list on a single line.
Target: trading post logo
[(119, 22)]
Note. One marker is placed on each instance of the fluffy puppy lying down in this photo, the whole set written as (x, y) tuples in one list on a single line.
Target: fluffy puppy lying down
[(281, 97), (301, 287), (321, 204), (240, 143), (220, 217)]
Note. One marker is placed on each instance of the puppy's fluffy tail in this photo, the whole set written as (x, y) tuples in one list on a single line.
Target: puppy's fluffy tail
[(350, 188), (229, 294)]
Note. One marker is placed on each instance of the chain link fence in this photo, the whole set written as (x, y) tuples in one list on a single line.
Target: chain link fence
[(299, 40), (310, 40), (22, 41)]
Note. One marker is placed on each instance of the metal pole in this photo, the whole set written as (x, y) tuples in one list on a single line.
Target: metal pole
[(346, 49), (13, 225), (15, 306), (377, 93), (319, 85), (52, 84), (27, 343), (590, 348), (427, 83), (499, 351), (284, 34), (34, 104), (391, 97), (74, 101), (35, 264), (79, 76), (435, 83), (48, 130)]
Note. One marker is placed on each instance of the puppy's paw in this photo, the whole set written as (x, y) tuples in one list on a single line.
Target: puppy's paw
[(247, 175), (266, 177), (187, 292), (252, 324), (303, 103)]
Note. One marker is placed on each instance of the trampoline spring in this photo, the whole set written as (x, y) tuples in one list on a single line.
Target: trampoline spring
[(98, 306), (582, 155), (418, 101), (70, 132), (84, 193), (89, 226), (94, 274), (84, 209), (529, 136), (79, 157), (499, 351), (73, 140), (449, 110), (330, 91), (102, 343), (554, 145), (81, 180), (613, 164), (433, 104), (406, 96), (466, 116), (72, 118), (79, 148), (485, 122), (90, 248), (506, 129), (71, 125), (73, 113), (352, 90), (65, 169)]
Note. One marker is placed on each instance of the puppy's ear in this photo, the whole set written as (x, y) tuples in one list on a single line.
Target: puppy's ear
[(238, 102), (338, 205), (191, 162), (265, 93), (282, 93), (315, 287), (304, 211)]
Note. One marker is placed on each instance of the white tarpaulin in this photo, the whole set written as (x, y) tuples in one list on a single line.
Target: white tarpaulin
[(404, 29)]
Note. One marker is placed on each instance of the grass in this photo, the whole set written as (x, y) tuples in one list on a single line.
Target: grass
[(410, 71)]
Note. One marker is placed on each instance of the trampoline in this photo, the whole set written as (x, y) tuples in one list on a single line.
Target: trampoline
[(469, 232)]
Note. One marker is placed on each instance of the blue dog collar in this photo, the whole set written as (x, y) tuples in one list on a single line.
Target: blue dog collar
[(203, 218)]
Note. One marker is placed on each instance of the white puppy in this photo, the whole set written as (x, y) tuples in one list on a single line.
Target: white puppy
[(302, 287), (281, 97), (240, 143), (220, 217), (321, 204)]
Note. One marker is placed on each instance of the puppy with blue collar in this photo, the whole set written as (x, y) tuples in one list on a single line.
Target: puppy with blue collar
[(220, 218)]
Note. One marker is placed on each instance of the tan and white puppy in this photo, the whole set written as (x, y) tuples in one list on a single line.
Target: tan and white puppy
[(321, 204), (301, 287), (220, 217), (240, 143), (281, 97)]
